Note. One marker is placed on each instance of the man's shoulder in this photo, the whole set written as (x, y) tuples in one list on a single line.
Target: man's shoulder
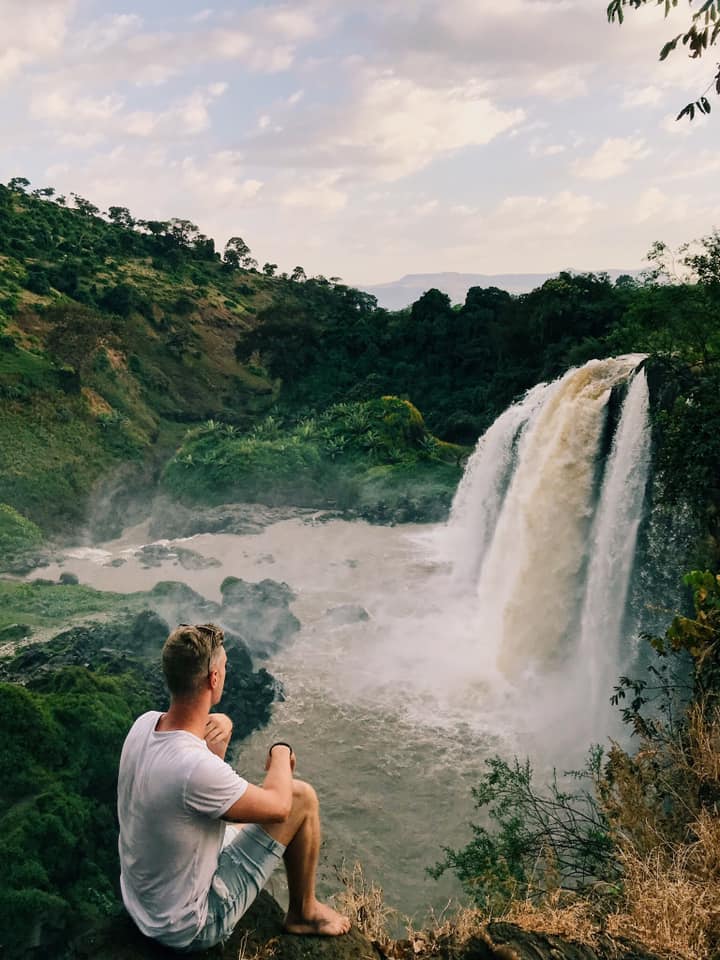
[(142, 726), (146, 721)]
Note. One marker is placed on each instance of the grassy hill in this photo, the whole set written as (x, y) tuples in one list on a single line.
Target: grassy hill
[(119, 337), (114, 336)]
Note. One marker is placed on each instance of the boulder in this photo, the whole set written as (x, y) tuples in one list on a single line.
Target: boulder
[(345, 614), (507, 941), (259, 612), (171, 519), (259, 935)]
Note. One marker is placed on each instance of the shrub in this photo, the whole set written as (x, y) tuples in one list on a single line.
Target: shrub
[(18, 535)]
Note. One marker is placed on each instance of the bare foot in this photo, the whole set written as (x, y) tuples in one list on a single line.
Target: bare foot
[(319, 920)]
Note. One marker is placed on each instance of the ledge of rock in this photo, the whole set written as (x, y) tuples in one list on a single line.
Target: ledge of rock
[(258, 935), (506, 941)]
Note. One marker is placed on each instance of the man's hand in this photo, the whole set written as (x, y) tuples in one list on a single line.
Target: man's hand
[(280, 750), (218, 731)]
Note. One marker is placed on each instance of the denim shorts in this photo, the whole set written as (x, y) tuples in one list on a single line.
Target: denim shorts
[(248, 857)]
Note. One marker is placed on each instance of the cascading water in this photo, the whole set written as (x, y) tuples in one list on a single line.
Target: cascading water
[(549, 530), (480, 495), (613, 542)]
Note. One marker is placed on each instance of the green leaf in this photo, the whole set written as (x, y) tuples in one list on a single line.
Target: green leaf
[(669, 47), (688, 111)]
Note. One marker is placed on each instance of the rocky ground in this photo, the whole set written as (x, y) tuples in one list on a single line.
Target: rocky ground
[(259, 936)]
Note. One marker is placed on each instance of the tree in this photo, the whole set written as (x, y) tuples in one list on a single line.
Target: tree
[(156, 228), (84, 206), (298, 274), (18, 184), (121, 217), (183, 232), (702, 32), (236, 250), (269, 269)]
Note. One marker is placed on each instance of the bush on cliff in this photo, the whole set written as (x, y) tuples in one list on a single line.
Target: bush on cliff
[(364, 456), (65, 708), (58, 767), (18, 535)]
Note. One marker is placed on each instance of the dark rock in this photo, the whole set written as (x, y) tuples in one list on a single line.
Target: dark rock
[(21, 565), (259, 934), (178, 603), (170, 519), (14, 631), (155, 554), (345, 614), (259, 612), (132, 644), (506, 940), (69, 579)]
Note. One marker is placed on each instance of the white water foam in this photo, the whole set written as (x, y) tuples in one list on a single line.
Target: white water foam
[(614, 538)]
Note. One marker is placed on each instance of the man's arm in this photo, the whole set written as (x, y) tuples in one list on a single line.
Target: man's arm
[(272, 802), (218, 731)]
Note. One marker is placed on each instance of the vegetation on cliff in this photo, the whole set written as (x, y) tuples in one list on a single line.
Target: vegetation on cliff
[(117, 334), (18, 535), (377, 458), (66, 705)]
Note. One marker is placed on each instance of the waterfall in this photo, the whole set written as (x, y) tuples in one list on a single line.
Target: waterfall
[(547, 528), (480, 494), (612, 550)]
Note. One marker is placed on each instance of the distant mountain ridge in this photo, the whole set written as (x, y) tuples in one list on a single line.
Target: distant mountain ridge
[(398, 294)]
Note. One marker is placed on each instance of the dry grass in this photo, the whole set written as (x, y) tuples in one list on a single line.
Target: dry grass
[(703, 751), (672, 903), (446, 932), (575, 919), (672, 887), (363, 901), (249, 951)]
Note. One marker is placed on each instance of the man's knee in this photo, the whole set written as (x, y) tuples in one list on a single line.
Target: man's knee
[(304, 795)]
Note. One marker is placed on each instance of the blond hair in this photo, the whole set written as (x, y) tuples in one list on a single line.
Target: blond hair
[(187, 656)]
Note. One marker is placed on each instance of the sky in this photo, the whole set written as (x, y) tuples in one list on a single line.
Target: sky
[(372, 139)]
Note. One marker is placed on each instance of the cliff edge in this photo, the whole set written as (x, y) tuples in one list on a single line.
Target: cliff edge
[(259, 936)]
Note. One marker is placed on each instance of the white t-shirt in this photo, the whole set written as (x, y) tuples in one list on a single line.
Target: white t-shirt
[(172, 792)]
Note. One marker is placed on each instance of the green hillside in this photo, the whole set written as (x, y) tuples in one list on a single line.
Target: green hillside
[(119, 335)]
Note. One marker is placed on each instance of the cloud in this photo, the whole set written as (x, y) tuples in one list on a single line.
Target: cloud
[(565, 83), (214, 189), (538, 149), (562, 213), (32, 31), (653, 204), (613, 157), (648, 96), (403, 125), (106, 33), (201, 15), (70, 114), (388, 127), (321, 195)]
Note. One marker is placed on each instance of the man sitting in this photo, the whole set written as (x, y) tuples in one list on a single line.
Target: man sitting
[(186, 880)]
